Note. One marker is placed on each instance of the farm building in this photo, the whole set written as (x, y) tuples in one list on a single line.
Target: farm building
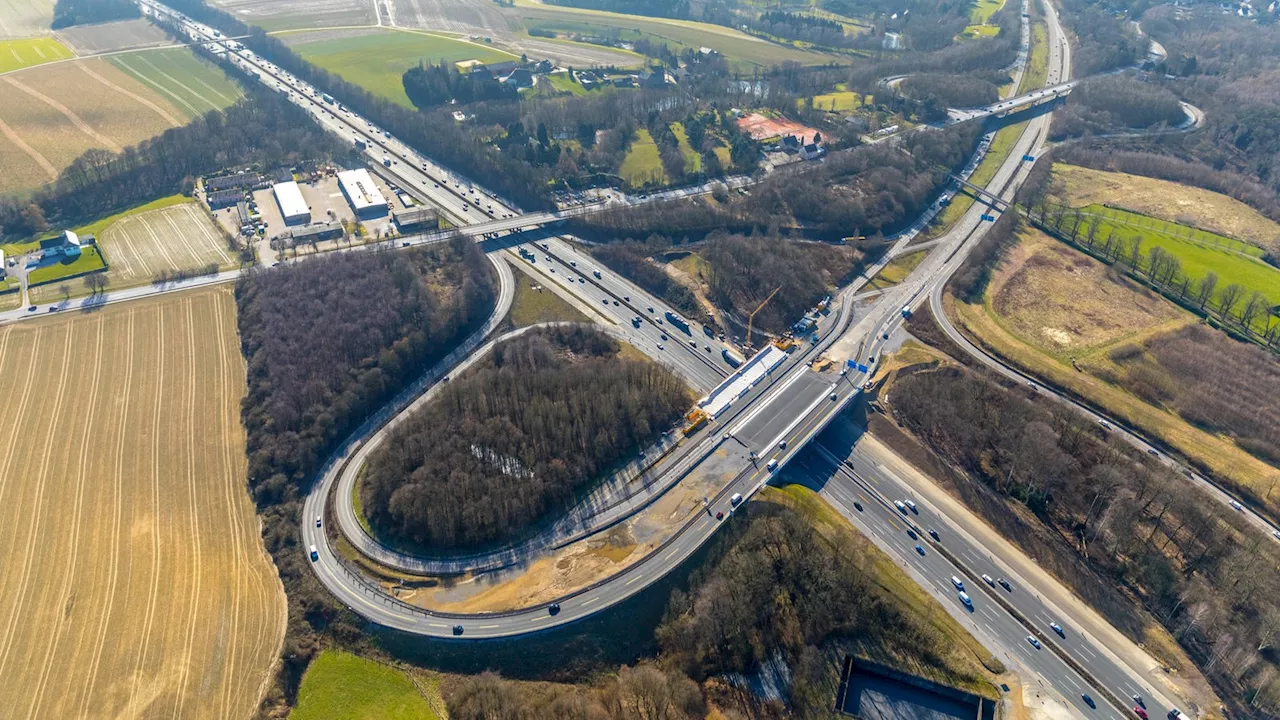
[(364, 196), (466, 66), (219, 199), (317, 232), (243, 180), (293, 207), (65, 246), (416, 219)]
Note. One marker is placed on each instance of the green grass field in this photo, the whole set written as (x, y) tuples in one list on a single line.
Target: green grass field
[(18, 54), (1197, 256), (742, 51), (561, 82), (377, 61), (642, 163), (341, 686), (1138, 221), (90, 259), (194, 86), (840, 101), (692, 158), (897, 270), (982, 11), (98, 226)]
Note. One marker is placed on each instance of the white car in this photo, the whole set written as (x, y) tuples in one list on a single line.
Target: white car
[(1235, 505), (957, 582), (987, 579), (735, 499), (317, 521), (913, 507), (1034, 642), (964, 598), (901, 508)]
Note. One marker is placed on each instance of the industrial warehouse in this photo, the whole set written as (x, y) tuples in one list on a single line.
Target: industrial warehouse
[(293, 207), (365, 197)]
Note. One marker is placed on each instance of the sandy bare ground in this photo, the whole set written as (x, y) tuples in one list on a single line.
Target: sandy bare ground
[(135, 582)]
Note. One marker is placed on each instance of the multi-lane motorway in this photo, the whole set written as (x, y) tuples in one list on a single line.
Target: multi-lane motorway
[(773, 421)]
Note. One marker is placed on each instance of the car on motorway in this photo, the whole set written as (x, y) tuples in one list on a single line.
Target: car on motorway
[(833, 397), (1058, 629), (553, 609), (664, 336), (31, 309), (457, 629), (1033, 641), (1152, 452), (857, 506), (987, 579), (1137, 710), (650, 308), (901, 508), (1005, 584), (772, 465), (1088, 700), (661, 346), (968, 601), (1139, 701), (920, 551), (317, 521), (1105, 425), (934, 534), (1235, 505), (735, 499), (782, 445), (911, 504), (957, 582), (315, 554), (719, 514), (1275, 534), (912, 534)]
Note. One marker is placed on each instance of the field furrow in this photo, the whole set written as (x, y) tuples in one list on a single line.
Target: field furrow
[(137, 585)]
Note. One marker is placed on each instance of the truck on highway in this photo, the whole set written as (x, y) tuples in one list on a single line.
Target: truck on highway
[(361, 144), (732, 357), (906, 311), (678, 321), (327, 98)]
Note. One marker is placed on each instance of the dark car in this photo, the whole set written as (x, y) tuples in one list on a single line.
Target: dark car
[(1088, 700), (912, 534), (920, 550), (719, 514), (554, 608), (858, 506), (934, 534), (1005, 584), (31, 309), (457, 629)]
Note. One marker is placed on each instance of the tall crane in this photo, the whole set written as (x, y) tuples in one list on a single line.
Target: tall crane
[(751, 319)]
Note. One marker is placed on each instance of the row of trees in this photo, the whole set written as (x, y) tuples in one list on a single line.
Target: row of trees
[(262, 129), (1248, 312), (631, 260), (516, 440), (327, 343), (1116, 103), (1194, 566)]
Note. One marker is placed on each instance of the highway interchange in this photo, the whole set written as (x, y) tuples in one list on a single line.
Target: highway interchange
[(793, 406)]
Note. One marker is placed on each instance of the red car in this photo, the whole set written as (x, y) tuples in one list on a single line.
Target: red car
[(1140, 712)]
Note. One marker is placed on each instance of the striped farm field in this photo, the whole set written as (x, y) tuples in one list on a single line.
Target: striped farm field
[(136, 584), (178, 237), (25, 18), (18, 54), (53, 113), (192, 85)]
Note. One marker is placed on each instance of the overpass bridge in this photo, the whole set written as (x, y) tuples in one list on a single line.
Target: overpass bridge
[(1012, 106), (992, 200)]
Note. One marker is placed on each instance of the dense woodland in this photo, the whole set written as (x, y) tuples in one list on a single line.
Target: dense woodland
[(743, 270), (429, 85), (83, 12), (547, 414), (1107, 510), (952, 90), (327, 342), (1102, 41), (1168, 371), (772, 587), (262, 130), (1116, 103)]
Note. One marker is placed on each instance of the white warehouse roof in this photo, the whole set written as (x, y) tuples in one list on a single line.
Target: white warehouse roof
[(363, 195), (747, 376), (292, 205)]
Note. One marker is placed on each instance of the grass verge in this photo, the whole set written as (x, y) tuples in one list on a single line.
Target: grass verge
[(342, 686)]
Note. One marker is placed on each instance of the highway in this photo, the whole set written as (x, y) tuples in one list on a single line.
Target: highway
[(775, 420)]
